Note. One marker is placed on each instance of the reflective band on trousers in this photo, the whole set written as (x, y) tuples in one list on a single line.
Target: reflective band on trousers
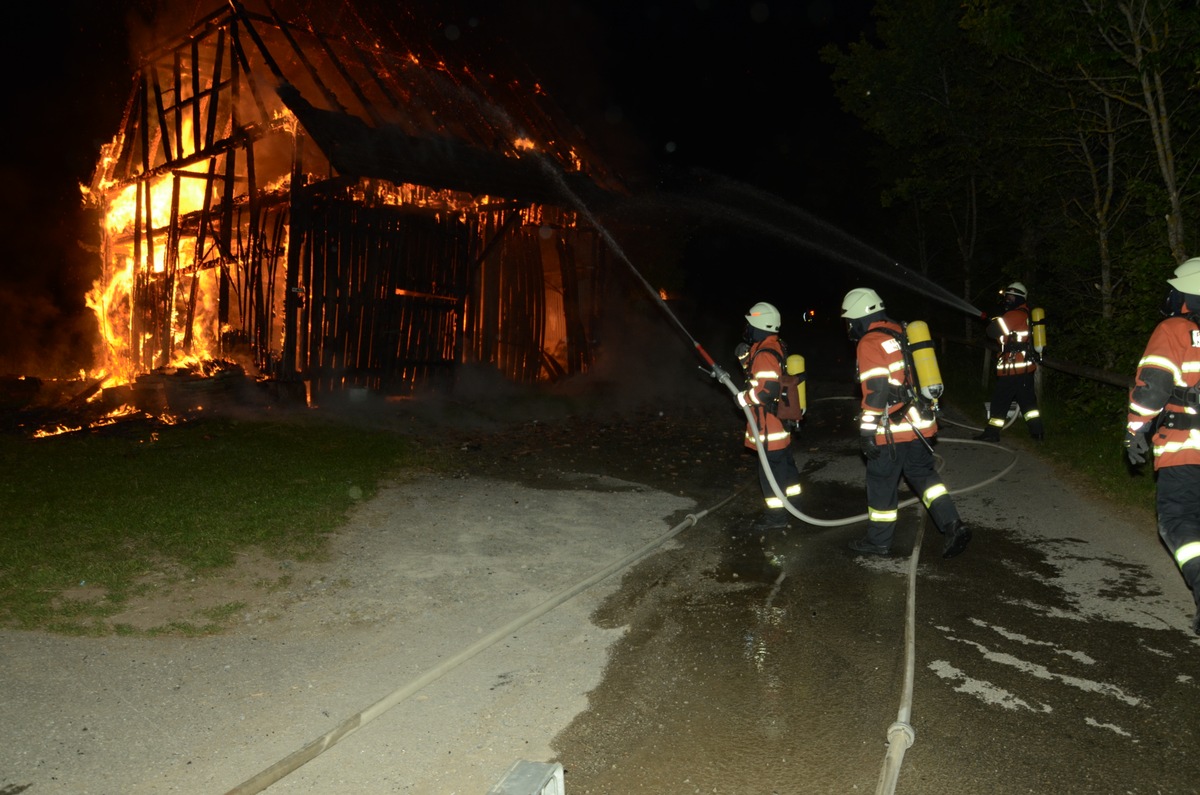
[(932, 493), (881, 516), (791, 491), (1186, 553)]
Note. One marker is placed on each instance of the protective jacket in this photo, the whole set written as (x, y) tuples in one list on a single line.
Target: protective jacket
[(1163, 392), (889, 407), (1012, 331), (764, 366)]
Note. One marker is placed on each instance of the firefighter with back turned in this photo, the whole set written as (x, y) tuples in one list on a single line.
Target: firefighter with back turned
[(762, 355), (895, 428), (1164, 421), (1012, 330)]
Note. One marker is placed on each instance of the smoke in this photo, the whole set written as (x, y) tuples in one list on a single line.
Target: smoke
[(42, 338)]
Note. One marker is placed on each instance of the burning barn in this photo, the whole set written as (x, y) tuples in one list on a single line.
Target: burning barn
[(312, 194)]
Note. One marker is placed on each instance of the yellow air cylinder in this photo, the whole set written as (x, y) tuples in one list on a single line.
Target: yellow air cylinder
[(924, 359), (1038, 316), (795, 366)]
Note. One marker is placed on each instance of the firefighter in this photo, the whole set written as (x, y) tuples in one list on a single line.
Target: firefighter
[(762, 358), (1012, 331), (894, 431), (1163, 418)]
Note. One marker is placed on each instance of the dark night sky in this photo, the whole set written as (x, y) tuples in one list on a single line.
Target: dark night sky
[(671, 91)]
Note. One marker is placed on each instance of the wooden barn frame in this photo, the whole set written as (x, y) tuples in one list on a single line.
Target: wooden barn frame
[(314, 195)]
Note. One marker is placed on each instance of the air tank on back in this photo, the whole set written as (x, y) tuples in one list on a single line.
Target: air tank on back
[(924, 360)]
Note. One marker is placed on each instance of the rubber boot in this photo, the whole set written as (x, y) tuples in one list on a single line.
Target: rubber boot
[(957, 538), (990, 434)]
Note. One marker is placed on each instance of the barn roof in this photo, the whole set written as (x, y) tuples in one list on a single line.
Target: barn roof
[(368, 87)]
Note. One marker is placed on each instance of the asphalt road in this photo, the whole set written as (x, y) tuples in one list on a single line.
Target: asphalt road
[(1053, 656)]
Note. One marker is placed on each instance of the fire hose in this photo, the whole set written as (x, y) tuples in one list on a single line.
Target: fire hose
[(721, 375), (294, 760), (900, 734)]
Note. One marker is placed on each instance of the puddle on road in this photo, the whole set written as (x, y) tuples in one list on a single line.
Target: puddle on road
[(733, 656)]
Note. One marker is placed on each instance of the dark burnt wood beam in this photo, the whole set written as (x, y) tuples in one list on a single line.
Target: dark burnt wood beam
[(286, 29), (242, 62), (214, 93), (349, 80), (163, 125)]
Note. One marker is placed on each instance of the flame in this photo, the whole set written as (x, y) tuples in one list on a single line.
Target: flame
[(110, 418), (123, 207), (111, 297)]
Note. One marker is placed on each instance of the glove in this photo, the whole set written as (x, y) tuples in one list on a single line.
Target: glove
[(742, 354), (1136, 447), (868, 447)]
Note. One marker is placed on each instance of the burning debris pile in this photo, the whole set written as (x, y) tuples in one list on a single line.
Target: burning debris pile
[(38, 407), (314, 197)]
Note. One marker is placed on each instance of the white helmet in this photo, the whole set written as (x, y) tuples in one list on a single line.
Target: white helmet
[(764, 316), (1187, 277), (1017, 289), (860, 302)]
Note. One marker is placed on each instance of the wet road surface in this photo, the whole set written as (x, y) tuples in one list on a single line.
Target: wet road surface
[(1053, 656)]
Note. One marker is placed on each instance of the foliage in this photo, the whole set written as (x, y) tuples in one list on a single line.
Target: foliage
[(1046, 142)]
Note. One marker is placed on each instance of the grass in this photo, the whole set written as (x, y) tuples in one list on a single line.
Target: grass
[(96, 513)]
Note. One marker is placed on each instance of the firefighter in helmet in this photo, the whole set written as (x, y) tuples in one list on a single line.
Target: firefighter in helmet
[(1163, 421), (762, 355), (1012, 331), (894, 429)]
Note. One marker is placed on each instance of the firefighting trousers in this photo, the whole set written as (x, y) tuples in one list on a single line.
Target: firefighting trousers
[(1019, 388), (1178, 503), (787, 476), (914, 462)]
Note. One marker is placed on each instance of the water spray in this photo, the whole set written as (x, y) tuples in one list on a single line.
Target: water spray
[(769, 230)]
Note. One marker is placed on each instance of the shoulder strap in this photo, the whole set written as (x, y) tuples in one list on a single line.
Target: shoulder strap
[(1188, 396)]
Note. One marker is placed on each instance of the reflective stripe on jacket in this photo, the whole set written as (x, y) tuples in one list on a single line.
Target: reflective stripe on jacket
[(1013, 334), (1169, 365), (762, 392), (883, 374)]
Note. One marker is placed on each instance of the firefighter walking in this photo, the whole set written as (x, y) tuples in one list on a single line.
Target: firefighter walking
[(1163, 421), (895, 428), (763, 355), (1013, 331)]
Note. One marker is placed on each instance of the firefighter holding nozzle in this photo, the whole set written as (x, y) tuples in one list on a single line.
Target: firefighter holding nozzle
[(897, 421), (768, 395), (1163, 420)]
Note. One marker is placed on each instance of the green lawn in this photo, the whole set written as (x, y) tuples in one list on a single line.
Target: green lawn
[(104, 509)]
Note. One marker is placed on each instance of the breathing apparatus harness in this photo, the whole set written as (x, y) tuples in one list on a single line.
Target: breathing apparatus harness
[(902, 397), (1011, 345), (1184, 397)]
